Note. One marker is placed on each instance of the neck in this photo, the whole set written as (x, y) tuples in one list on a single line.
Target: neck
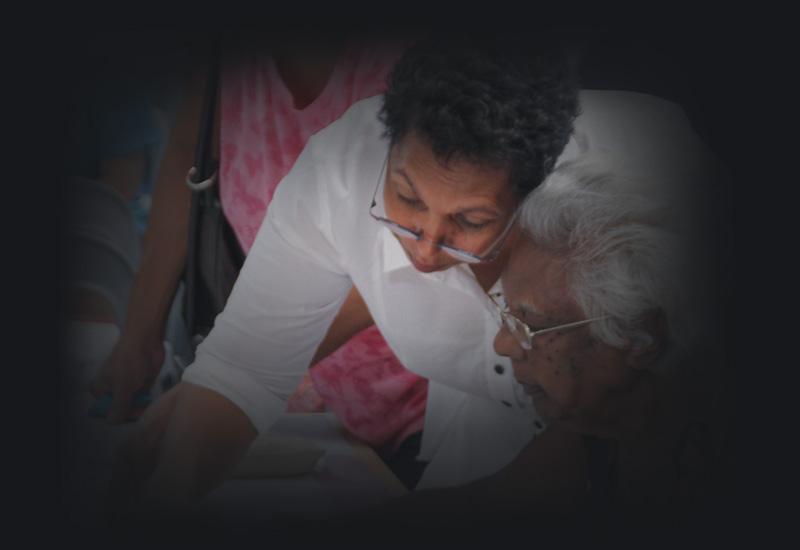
[(622, 416), (306, 69)]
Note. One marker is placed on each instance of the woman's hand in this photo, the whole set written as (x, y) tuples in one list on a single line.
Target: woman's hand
[(132, 367), (137, 358), (137, 457)]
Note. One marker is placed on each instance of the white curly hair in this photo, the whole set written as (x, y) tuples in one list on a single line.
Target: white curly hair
[(623, 254)]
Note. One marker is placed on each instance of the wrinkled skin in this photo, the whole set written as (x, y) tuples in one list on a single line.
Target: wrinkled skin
[(571, 375)]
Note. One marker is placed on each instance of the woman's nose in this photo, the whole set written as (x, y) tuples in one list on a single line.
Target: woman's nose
[(426, 249), (505, 344), (433, 232)]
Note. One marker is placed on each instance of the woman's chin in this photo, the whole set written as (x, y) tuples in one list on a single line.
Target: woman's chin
[(427, 268)]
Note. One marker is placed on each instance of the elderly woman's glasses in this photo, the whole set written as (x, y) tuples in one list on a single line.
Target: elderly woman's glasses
[(521, 331), (488, 254)]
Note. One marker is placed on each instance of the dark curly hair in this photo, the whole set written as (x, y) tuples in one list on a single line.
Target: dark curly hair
[(507, 103)]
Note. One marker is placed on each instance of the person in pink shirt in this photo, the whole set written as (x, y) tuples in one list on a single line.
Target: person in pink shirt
[(263, 128), (272, 100)]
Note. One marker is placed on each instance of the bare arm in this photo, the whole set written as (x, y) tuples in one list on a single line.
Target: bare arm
[(138, 355), (175, 459), (186, 444), (164, 247), (352, 318), (205, 438)]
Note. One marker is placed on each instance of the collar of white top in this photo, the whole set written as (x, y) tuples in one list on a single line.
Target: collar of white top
[(395, 258)]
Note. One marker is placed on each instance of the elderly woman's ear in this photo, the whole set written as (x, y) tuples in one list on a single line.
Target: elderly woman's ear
[(647, 348)]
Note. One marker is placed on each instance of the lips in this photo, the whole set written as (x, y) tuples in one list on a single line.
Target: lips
[(425, 268), (419, 266)]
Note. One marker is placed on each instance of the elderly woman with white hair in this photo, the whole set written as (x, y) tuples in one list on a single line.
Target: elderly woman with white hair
[(600, 314)]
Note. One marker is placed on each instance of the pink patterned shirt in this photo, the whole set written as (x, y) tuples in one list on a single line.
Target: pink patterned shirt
[(261, 136)]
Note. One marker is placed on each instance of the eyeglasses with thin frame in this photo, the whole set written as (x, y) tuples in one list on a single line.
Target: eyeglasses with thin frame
[(522, 331), (492, 251)]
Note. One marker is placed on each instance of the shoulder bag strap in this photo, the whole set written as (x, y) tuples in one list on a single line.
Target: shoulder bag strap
[(201, 180)]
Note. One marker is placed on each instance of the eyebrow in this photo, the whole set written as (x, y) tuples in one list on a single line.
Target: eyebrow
[(408, 179), (483, 209), (532, 314)]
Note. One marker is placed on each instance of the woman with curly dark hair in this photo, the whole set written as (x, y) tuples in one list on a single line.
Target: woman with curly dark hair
[(412, 198)]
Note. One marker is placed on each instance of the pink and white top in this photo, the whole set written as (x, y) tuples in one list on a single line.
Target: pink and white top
[(261, 136)]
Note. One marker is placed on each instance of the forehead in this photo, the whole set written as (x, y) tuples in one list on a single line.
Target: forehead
[(457, 177), (538, 280)]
